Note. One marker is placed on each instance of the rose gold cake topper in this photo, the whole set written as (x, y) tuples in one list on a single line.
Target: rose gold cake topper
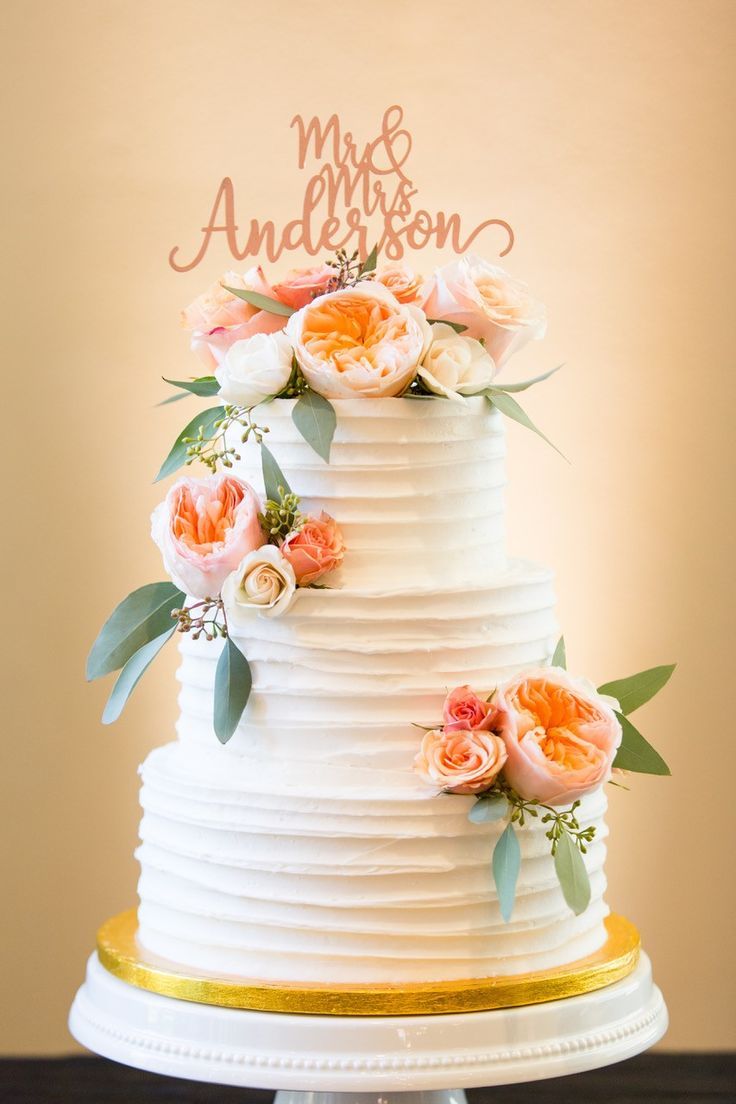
[(356, 196)]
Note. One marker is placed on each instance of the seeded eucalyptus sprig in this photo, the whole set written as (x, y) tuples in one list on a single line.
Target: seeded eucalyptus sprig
[(281, 517), (210, 619), (349, 270), (213, 450), (561, 821)]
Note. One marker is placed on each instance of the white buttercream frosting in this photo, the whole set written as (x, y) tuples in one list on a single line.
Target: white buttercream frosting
[(307, 849)]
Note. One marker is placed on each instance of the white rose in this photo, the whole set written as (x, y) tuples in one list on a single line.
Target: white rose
[(359, 342), (264, 582), (455, 365), (490, 302), (255, 369)]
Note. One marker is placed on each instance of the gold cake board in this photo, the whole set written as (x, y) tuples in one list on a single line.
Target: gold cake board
[(121, 956)]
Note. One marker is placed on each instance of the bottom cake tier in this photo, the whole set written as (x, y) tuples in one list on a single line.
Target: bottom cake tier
[(245, 872)]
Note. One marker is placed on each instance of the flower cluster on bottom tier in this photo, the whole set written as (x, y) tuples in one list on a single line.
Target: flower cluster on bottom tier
[(307, 850)]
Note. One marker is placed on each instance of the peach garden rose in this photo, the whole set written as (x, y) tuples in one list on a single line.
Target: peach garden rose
[(463, 762), (217, 318), (561, 736), (315, 549), (204, 528), (359, 342), (492, 304)]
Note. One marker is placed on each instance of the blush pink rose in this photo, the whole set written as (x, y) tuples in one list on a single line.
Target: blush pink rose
[(315, 549), (401, 280), (464, 762), (561, 736), (463, 709), (217, 318), (204, 528), (301, 285), (492, 304)]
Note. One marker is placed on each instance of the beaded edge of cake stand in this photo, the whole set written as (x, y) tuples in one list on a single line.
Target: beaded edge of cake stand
[(121, 956)]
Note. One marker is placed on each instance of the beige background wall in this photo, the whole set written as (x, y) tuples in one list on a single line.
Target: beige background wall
[(601, 131)]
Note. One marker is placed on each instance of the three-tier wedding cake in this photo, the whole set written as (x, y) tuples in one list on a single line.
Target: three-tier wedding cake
[(383, 773)]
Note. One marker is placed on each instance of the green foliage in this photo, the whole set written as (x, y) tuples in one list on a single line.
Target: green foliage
[(637, 754), (559, 658), (316, 420), (524, 385), (204, 386), (508, 405), (262, 302), (200, 427), (636, 690), (274, 479), (506, 866), (488, 808), (140, 618), (131, 675), (233, 681), (369, 264), (572, 875)]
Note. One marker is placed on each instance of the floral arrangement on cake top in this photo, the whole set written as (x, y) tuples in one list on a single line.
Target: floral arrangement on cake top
[(539, 741), (347, 329), (229, 557)]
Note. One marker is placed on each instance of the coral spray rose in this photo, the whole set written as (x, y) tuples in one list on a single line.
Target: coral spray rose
[(301, 285), (217, 318), (204, 528), (561, 736), (492, 304), (464, 709), (467, 761), (315, 549), (359, 342)]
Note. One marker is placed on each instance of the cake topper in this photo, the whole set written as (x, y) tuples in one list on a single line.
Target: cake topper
[(357, 194)]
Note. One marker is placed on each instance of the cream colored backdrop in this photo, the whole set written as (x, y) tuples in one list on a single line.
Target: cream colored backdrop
[(601, 131)]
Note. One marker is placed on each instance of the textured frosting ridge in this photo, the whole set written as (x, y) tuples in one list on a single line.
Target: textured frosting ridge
[(307, 849)]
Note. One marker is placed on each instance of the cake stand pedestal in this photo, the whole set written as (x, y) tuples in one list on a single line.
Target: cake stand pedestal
[(321, 1058)]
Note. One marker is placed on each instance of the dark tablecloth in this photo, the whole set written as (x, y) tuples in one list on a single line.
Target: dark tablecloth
[(648, 1079)]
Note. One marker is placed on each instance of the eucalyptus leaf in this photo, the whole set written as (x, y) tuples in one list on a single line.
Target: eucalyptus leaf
[(506, 865), (523, 385), (635, 691), (456, 326), (488, 809), (571, 874), (178, 454), (141, 617), (262, 302), (369, 264), (131, 674), (508, 405), (233, 681), (314, 416), (273, 477), (204, 386), (559, 656), (637, 754)]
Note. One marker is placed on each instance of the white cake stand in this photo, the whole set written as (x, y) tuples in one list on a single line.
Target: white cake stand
[(358, 1059)]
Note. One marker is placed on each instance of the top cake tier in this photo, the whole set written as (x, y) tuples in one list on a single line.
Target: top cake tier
[(401, 473)]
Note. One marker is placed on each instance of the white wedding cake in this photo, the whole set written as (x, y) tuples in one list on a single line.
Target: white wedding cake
[(307, 849), (383, 773)]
